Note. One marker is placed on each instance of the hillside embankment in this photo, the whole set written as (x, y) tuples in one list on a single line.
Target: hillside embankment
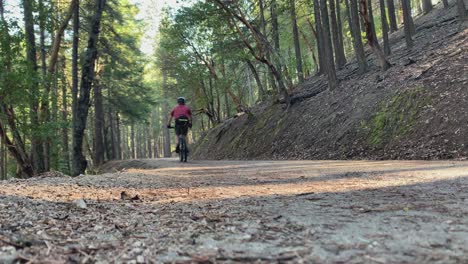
[(418, 109)]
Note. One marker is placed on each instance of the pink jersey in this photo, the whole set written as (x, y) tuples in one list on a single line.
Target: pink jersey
[(181, 110)]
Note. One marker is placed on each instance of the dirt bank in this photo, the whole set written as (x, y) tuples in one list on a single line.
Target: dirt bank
[(415, 110)]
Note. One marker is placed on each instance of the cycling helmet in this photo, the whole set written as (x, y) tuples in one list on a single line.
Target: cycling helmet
[(181, 100)]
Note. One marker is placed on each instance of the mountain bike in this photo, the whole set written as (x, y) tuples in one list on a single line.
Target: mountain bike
[(183, 149)]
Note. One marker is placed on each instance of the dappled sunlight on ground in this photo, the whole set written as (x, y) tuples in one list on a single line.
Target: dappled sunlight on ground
[(225, 180)]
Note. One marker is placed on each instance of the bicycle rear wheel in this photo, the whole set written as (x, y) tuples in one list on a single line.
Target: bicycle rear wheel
[(182, 150)]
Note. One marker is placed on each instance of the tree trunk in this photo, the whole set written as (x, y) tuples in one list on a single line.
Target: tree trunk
[(462, 13), (3, 168), (271, 78), (274, 24), (311, 49), (384, 64), (446, 4), (37, 152), (79, 163), (276, 42), (319, 38), (297, 45), (392, 15), (357, 41), (75, 45), (255, 74), (132, 141), (98, 142), (44, 110), (427, 6), (337, 45), (340, 30), (330, 65), (149, 137), (118, 136), (383, 18), (370, 19), (16, 147), (167, 133), (407, 24), (65, 137), (411, 22)]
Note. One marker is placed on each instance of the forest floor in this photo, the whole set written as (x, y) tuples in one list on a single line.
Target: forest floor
[(236, 211)]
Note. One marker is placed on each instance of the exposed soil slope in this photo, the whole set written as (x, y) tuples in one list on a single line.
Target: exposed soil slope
[(241, 212), (418, 109)]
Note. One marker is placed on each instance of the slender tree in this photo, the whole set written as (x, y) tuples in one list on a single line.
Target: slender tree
[(462, 12), (372, 40), (392, 15), (79, 162), (427, 6), (297, 45), (75, 45), (340, 59), (98, 142), (357, 41), (407, 24), (330, 65), (383, 18), (318, 35), (446, 4), (37, 152)]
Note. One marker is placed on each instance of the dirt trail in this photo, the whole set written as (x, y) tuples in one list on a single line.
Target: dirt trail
[(236, 211)]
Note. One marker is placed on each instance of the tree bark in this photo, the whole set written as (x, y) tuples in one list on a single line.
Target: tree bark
[(256, 76), (337, 45), (271, 78), (65, 137), (75, 45), (370, 19), (330, 65), (446, 4), (319, 38), (79, 163), (132, 141), (462, 12), (383, 18), (297, 44), (392, 15), (274, 25), (118, 136), (340, 30), (98, 142), (407, 24), (427, 6), (384, 64), (167, 133), (37, 152), (311, 49), (16, 147), (276, 42), (357, 41)]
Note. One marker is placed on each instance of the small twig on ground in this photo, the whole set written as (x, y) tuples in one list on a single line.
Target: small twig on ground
[(256, 258), (2, 239)]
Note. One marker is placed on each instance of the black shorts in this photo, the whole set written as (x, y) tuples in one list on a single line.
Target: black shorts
[(181, 126)]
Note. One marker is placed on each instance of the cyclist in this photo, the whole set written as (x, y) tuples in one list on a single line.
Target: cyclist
[(183, 119)]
